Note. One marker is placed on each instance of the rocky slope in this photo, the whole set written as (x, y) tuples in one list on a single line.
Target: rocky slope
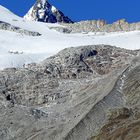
[(8, 27), (79, 94), (123, 122), (102, 26), (45, 12)]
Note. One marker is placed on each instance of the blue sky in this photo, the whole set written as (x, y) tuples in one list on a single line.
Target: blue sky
[(110, 10)]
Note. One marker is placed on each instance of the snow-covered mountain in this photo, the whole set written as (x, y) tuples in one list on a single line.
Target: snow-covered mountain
[(18, 49), (43, 11)]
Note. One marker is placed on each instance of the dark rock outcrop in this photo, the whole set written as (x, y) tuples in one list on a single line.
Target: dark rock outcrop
[(9, 27)]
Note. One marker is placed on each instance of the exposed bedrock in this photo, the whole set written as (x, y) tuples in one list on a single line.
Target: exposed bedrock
[(9, 27), (101, 26), (81, 93)]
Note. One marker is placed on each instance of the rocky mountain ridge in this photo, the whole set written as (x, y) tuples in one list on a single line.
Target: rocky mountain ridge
[(100, 26)]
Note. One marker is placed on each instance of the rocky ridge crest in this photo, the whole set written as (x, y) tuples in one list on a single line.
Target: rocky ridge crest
[(101, 26)]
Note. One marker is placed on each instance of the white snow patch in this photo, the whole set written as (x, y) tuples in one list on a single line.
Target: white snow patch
[(28, 16), (39, 5), (27, 49), (43, 2), (53, 9), (41, 13)]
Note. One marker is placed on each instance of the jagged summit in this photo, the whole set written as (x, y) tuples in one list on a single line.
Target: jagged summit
[(43, 11)]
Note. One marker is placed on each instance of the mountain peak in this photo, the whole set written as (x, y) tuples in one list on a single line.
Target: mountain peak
[(43, 11)]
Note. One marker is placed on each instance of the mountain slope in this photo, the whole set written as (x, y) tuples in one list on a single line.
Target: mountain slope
[(71, 95), (44, 12), (83, 92)]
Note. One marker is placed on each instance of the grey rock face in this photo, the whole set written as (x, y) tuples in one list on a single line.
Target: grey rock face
[(44, 12), (61, 29), (102, 26), (84, 61), (72, 95), (9, 27)]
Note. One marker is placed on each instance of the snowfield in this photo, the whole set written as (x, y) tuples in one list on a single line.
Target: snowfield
[(17, 50)]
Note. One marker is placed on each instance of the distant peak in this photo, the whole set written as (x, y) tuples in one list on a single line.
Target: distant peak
[(43, 1), (43, 11)]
